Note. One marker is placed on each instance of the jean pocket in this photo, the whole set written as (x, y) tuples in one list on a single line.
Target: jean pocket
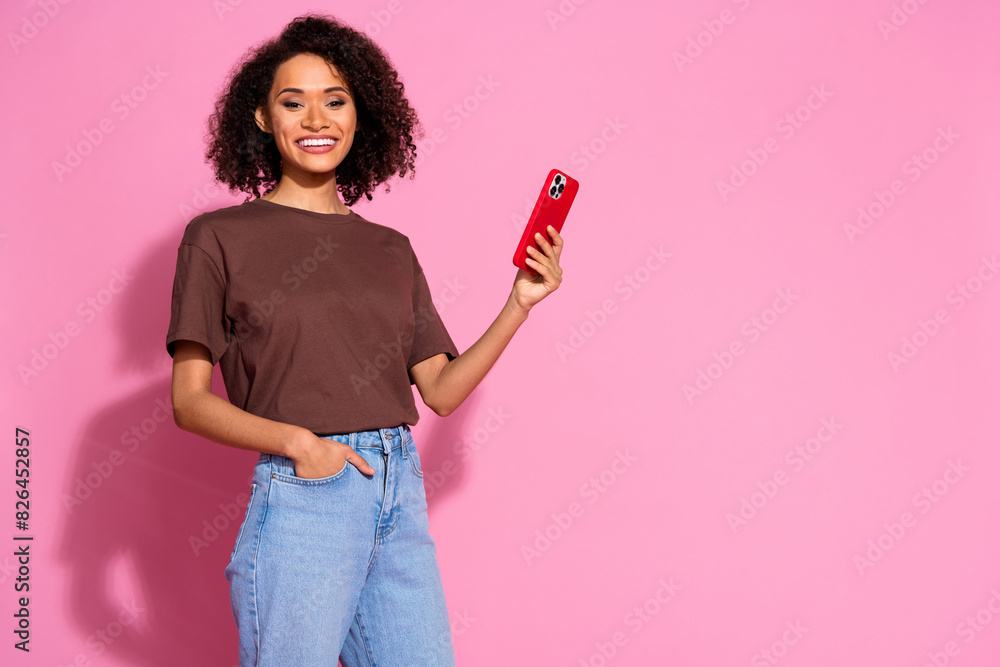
[(246, 519), (411, 453), (318, 481)]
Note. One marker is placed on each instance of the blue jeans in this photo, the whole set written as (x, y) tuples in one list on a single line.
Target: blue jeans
[(341, 566)]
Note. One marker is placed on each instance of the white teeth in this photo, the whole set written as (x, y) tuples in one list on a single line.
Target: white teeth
[(316, 142)]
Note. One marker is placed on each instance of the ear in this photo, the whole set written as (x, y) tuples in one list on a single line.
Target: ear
[(260, 115)]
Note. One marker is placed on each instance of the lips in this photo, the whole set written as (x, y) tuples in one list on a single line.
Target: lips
[(318, 137), (327, 145)]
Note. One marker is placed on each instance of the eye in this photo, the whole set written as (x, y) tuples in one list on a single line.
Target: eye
[(336, 103)]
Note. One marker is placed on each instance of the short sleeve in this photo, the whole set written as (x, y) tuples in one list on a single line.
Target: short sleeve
[(197, 307), (430, 337)]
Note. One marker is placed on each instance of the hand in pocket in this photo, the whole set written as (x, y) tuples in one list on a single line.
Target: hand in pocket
[(322, 457)]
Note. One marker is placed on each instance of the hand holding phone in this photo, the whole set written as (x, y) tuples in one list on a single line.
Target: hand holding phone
[(552, 207)]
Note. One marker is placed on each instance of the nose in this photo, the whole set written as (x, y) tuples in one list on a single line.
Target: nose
[(314, 118)]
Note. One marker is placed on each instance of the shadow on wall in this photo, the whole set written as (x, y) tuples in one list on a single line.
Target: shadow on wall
[(169, 504)]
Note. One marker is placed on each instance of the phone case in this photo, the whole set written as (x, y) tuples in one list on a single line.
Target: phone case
[(552, 206)]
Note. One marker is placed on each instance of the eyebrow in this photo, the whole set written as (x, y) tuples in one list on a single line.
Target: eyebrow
[(302, 92)]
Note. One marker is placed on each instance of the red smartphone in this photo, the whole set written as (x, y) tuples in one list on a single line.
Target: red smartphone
[(551, 209)]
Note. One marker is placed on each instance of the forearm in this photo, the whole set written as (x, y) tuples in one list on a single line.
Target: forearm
[(220, 421), (463, 374)]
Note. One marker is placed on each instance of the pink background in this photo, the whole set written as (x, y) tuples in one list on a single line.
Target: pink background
[(837, 559)]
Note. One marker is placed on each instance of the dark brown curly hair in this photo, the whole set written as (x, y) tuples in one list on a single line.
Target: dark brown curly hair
[(246, 158)]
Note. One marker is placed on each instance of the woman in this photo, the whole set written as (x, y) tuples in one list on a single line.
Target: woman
[(321, 321)]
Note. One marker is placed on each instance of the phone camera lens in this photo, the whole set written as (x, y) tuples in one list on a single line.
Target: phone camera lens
[(553, 191), (561, 187), (559, 179)]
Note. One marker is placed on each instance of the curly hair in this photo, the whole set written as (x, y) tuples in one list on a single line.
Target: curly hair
[(246, 158)]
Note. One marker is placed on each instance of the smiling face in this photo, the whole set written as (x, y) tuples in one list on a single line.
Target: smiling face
[(311, 113)]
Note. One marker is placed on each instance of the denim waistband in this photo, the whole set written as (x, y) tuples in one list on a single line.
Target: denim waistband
[(385, 439)]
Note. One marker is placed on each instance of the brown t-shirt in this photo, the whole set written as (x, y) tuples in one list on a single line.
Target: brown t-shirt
[(314, 318)]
